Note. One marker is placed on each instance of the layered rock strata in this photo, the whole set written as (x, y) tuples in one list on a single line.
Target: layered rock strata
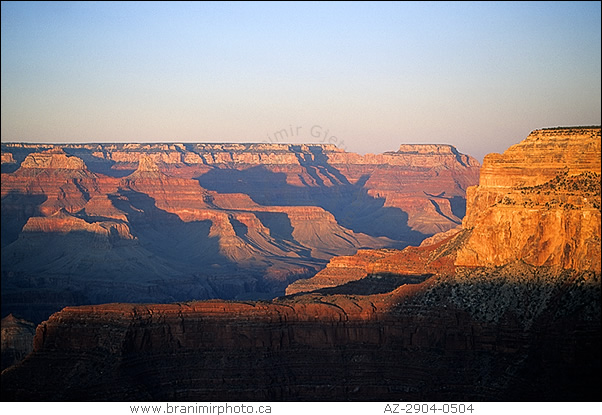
[(539, 201), (413, 261), (415, 179), (162, 223), (511, 334)]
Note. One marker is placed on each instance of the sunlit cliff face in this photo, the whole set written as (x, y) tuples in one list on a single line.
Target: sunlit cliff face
[(538, 202)]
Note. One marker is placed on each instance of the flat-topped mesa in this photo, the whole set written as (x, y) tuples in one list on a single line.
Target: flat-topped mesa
[(432, 150), (441, 156), (427, 149), (53, 159), (539, 202), (429, 155)]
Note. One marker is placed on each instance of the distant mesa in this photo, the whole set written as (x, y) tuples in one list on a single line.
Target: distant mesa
[(7, 158)]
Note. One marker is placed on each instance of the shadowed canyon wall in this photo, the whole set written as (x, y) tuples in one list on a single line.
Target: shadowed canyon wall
[(17, 340), (511, 333)]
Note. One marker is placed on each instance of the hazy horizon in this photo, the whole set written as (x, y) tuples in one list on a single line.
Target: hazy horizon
[(366, 77)]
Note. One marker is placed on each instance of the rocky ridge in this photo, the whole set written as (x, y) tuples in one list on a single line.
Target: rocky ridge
[(515, 333)]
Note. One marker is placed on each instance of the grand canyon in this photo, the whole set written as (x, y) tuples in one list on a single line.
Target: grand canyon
[(281, 272), (164, 223)]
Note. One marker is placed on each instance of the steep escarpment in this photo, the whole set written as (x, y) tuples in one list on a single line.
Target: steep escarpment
[(426, 181), (539, 201), (541, 156)]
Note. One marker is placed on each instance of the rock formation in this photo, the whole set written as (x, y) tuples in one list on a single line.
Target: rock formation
[(433, 329), (393, 185), (176, 222), (514, 333), (418, 262), (539, 201), (17, 340)]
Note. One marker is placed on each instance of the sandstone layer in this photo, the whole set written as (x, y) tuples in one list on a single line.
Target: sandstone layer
[(510, 334), (539, 201)]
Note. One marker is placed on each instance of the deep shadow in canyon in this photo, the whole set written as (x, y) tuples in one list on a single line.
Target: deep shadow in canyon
[(352, 207)]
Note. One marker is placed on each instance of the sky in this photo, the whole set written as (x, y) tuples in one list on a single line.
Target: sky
[(366, 76)]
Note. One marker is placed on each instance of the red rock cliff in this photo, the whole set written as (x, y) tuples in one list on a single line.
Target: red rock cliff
[(538, 202)]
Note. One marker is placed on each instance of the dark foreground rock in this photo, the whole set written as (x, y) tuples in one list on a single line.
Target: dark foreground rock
[(506, 334)]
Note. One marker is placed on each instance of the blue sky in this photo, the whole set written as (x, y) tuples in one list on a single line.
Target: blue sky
[(365, 76)]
